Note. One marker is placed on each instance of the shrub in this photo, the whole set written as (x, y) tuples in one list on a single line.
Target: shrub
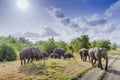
[(7, 53)]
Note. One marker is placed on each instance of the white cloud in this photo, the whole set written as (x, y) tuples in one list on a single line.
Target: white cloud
[(65, 21), (113, 9), (46, 32), (49, 32), (96, 27)]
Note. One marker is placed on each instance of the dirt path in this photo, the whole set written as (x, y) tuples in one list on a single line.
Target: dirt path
[(94, 73), (114, 71)]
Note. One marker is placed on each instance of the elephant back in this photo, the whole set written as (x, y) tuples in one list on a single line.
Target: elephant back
[(83, 51), (26, 53), (60, 51)]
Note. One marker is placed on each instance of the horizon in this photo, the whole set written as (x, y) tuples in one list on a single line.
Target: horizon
[(65, 20)]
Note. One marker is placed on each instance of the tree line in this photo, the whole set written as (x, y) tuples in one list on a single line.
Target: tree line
[(10, 46)]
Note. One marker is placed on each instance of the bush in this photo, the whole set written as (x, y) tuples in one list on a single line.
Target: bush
[(7, 53)]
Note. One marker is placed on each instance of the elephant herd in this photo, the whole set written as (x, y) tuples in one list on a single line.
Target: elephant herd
[(95, 54), (31, 53)]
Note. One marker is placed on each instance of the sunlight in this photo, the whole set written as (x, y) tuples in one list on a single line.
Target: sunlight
[(22, 4)]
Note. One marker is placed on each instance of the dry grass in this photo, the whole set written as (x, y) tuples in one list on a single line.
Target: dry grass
[(117, 51), (51, 69)]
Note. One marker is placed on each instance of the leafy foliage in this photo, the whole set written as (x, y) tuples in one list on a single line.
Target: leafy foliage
[(102, 43), (7, 53), (78, 43)]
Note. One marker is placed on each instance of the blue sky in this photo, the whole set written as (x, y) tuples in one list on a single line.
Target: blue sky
[(63, 19)]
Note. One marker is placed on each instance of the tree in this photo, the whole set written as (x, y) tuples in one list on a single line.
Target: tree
[(75, 44), (23, 40), (101, 43), (114, 46), (78, 43), (85, 41), (48, 46), (61, 44), (72, 49)]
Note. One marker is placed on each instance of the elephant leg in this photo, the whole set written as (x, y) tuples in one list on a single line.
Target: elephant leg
[(21, 62), (36, 59), (106, 66), (81, 56), (95, 61), (31, 60), (89, 58), (92, 62), (99, 64), (28, 61), (24, 61), (85, 58)]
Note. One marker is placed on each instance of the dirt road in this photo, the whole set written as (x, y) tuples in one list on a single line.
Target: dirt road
[(114, 71), (94, 73)]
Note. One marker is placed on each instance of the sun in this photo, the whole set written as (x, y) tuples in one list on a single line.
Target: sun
[(22, 4)]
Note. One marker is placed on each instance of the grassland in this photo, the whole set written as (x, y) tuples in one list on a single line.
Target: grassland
[(51, 69)]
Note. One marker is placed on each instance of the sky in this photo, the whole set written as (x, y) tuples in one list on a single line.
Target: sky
[(63, 19)]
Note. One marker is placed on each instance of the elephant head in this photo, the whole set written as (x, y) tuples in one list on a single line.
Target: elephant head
[(36, 52)]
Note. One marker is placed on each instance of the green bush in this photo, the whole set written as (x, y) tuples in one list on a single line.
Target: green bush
[(7, 53)]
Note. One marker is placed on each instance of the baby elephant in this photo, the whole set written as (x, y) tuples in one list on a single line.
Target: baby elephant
[(54, 55), (45, 54), (40, 57), (68, 55)]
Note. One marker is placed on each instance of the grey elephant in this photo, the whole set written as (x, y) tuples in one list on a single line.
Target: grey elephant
[(45, 54), (68, 55), (84, 54), (40, 56), (60, 51), (54, 55), (97, 54), (28, 53)]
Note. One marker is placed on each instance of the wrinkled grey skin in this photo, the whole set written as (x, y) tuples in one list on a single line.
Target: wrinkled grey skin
[(97, 54), (28, 53), (68, 55), (60, 51), (54, 55), (84, 54)]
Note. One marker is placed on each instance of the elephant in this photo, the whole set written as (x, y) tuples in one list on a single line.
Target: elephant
[(28, 53), (84, 54), (97, 54), (68, 55), (54, 55), (39, 57), (60, 51), (45, 54)]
